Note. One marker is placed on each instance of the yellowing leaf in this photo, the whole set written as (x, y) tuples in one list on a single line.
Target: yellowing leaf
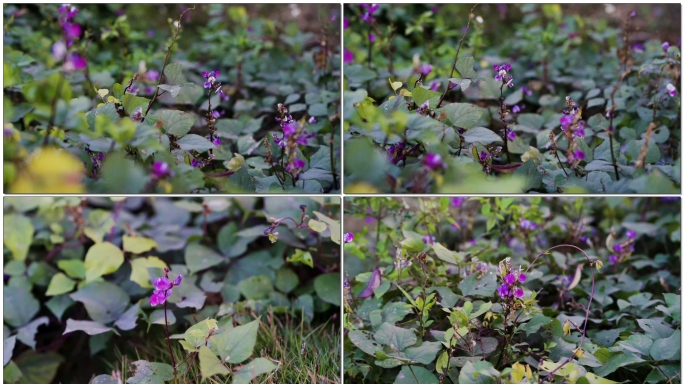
[(566, 327), (60, 284), (103, 92), (139, 272), (102, 259), (579, 352), (599, 264), (138, 244), (519, 372), (395, 85), (317, 225), (50, 171), (593, 379), (236, 162)]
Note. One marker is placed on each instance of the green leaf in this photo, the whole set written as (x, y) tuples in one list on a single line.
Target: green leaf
[(194, 142), (27, 333), (150, 373), (237, 344), (480, 372), (11, 372), (334, 225), (481, 135), (363, 341), (137, 244), (132, 103), (60, 284), (668, 348), (301, 257), (18, 235), (198, 257), (421, 95), (424, 354), (157, 317), (447, 255), (139, 269), (210, 365), (73, 268), (464, 66), (256, 287), (38, 368), (327, 287), (396, 338), (102, 259), (422, 375), (317, 225), (19, 305), (174, 90), (89, 327), (174, 74), (286, 280), (483, 287), (104, 379), (463, 115), (197, 334), (616, 361), (256, 367), (176, 123), (104, 302), (593, 379)]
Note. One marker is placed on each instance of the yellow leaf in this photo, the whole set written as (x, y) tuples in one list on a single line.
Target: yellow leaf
[(139, 272), (103, 92), (52, 171), (579, 352), (236, 162), (566, 327), (395, 85), (405, 93), (599, 264), (519, 371)]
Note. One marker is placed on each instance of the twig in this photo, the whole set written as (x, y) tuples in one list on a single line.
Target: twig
[(168, 342), (453, 67)]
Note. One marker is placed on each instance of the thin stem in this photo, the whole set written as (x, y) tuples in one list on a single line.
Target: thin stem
[(117, 211), (168, 342), (453, 67), (332, 158)]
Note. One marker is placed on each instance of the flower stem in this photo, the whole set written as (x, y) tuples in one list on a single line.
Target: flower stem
[(168, 342)]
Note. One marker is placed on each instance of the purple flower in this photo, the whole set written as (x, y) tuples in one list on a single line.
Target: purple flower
[(526, 90), (161, 169), (74, 62), (429, 239), (519, 293), (137, 114), (348, 237), (511, 135), (312, 120), (527, 224), (348, 56), (215, 114), (434, 86), (67, 12), (566, 121), (509, 279), (59, 50), (163, 288), (150, 33), (369, 10), (178, 280), (631, 234), (613, 259), (345, 23), (371, 37), (216, 141), (671, 89), (152, 75), (483, 156), (579, 129), (211, 78), (373, 284), (665, 46), (72, 31), (289, 129), (618, 248), (632, 14), (579, 155), (458, 201), (515, 109), (162, 283), (299, 163), (425, 69), (522, 277), (638, 47), (503, 291), (195, 163), (433, 160)]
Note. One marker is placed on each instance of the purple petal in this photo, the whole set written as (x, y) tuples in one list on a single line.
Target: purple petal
[(373, 284), (178, 280)]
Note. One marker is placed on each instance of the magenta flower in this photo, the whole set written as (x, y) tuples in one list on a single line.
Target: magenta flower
[(345, 23), (433, 160), (631, 234), (348, 56), (161, 169), (566, 121), (299, 163), (612, 259), (671, 90), (348, 237), (509, 279), (522, 277), (216, 141), (503, 291), (511, 135), (429, 239), (618, 248), (72, 31), (425, 69), (195, 163), (458, 201), (518, 293), (434, 86), (163, 288), (579, 155)]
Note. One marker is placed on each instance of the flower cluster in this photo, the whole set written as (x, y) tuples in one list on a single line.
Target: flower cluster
[(163, 288), (457, 202), (623, 250), (510, 288), (70, 32), (368, 11), (348, 237), (213, 83), (429, 239), (395, 152), (433, 161), (502, 74), (527, 225), (293, 137), (671, 90), (424, 108), (161, 169), (572, 126)]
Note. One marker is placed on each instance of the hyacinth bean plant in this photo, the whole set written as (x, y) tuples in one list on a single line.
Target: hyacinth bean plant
[(131, 98), (512, 290), (511, 98), (160, 290)]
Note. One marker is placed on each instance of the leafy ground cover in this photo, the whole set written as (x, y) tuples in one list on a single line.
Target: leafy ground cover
[(550, 98), (134, 98), (512, 290), (179, 290)]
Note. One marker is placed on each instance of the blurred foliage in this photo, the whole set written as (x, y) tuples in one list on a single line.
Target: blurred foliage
[(431, 272), (76, 264), (492, 138)]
